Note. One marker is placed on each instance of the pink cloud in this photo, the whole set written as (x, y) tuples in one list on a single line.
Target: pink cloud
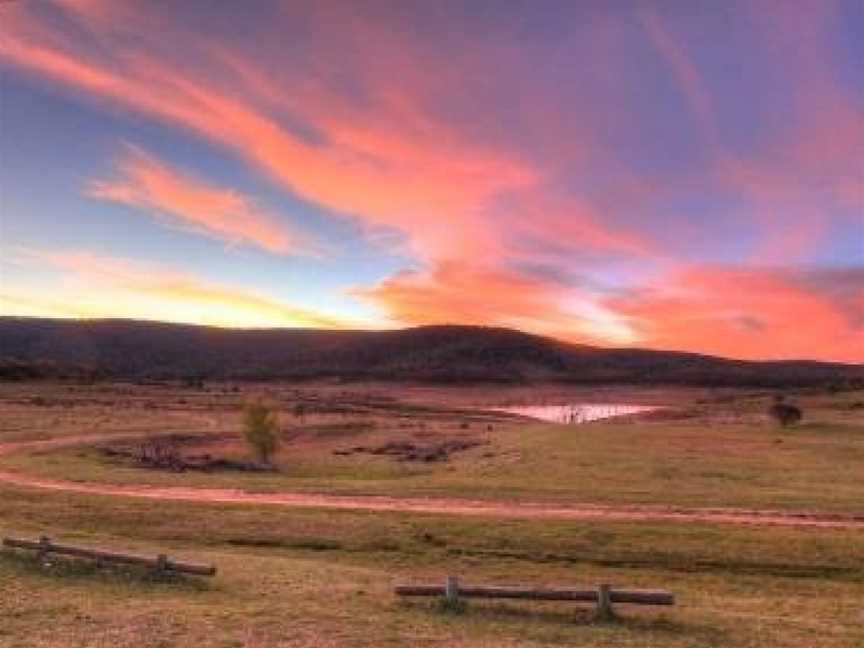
[(470, 293), (470, 208), (751, 313), (395, 165), (190, 203)]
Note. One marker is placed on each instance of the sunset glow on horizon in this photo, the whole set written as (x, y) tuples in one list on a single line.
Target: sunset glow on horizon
[(671, 175)]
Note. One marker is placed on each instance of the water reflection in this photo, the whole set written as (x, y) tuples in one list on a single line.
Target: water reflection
[(581, 413)]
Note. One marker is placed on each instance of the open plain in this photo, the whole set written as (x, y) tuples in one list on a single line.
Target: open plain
[(758, 529)]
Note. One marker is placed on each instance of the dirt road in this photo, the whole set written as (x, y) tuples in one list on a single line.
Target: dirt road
[(430, 505)]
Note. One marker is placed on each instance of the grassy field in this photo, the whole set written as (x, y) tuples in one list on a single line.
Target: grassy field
[(721, 454), (308, 578), (304, 577)]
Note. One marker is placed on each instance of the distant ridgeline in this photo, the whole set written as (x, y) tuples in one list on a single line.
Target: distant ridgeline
[(32, 348)]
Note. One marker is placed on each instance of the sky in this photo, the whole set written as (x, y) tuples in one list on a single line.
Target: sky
[(678, 174)]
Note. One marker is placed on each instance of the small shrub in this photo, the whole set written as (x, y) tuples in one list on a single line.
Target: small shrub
[(261, 429), (785, 414)]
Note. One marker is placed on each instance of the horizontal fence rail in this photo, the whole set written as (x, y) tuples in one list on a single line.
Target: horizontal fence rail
[(636, 596), (161, 562), (603, 595)]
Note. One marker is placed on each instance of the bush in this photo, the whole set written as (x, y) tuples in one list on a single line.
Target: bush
[(785, 414), (261, 429)]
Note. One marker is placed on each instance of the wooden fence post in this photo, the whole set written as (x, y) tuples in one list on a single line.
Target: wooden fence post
[(451, 592), (604, 601), (44, 546), (161, 563)]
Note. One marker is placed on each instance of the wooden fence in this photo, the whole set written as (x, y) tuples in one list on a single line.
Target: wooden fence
[(603, 595), (44, 546)]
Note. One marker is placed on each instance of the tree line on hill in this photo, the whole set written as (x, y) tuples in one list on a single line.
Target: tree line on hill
[(33, 348)]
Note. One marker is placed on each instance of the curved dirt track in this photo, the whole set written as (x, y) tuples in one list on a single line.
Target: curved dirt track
[(430, 505)]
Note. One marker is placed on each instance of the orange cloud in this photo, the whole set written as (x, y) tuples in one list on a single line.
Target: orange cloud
[(464, 293), (145, 182), (752, 313), (470, 209), (392, 164), (102, 286), (376, 176)]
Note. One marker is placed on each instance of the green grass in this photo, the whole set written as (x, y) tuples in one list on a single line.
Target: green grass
[(304, 577), (324, 578), (727, 456)]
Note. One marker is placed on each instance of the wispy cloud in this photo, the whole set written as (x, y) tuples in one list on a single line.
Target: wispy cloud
[(395, 165), (686, 74), (186, 202), (453, 142)]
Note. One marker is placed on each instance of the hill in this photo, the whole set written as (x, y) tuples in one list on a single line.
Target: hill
[(34, 347)]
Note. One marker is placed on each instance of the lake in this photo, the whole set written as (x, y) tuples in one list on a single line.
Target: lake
[(581, 413)]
